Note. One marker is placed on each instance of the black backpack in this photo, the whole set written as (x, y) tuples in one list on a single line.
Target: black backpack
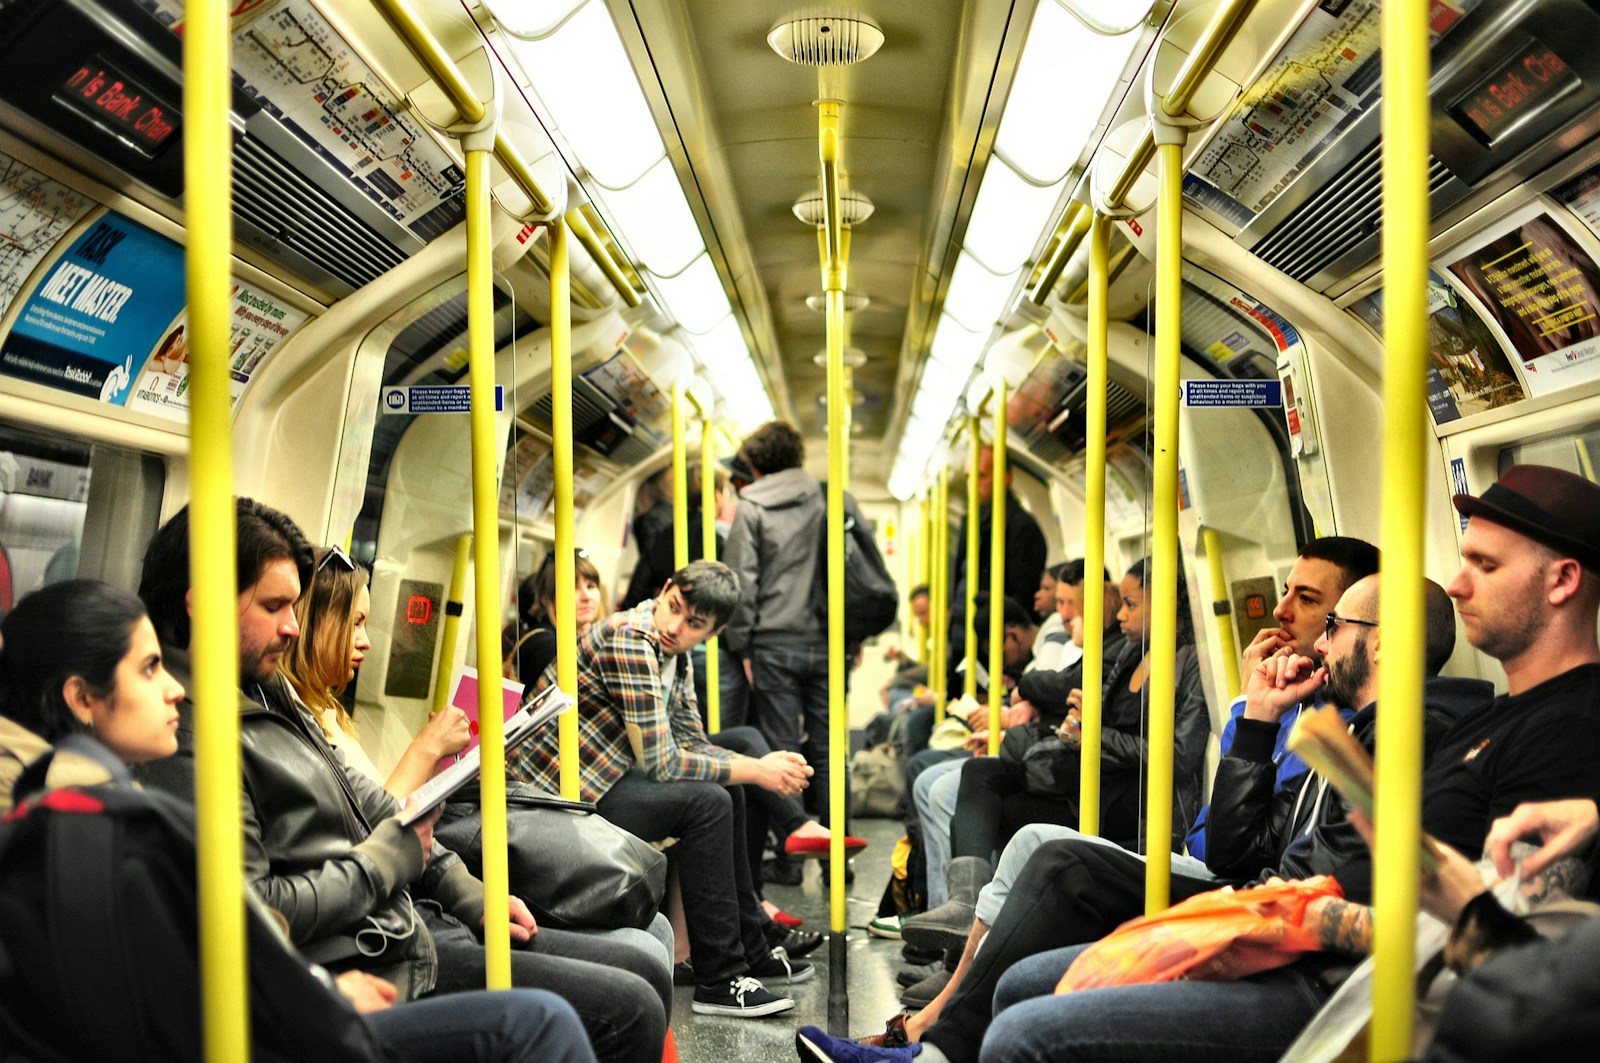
[(99, 954), (870, 597)]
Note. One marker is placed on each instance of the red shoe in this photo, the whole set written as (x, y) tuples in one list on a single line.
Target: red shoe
[(795, 845), (787, 921)]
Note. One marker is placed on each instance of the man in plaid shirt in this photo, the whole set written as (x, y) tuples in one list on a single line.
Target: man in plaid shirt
[(646, 762)]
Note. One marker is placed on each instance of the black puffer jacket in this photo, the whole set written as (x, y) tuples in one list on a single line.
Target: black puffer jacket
[(321, 844), (1302, 830)]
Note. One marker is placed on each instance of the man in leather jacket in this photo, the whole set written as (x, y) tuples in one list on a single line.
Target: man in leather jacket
[(323, 846)]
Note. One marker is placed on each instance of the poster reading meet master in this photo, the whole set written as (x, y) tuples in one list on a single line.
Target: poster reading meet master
[(89, 324)]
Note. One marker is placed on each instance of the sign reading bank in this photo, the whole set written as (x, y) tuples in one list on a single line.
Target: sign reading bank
[(98, 311)]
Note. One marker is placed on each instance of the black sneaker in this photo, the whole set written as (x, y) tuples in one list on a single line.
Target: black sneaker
[(781, 968), (743, 998), (795, 942)]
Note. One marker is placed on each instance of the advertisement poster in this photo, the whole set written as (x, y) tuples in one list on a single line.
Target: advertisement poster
[(102, 308), (259, 323), (1467, 371), (528, 480), (1543, 290)]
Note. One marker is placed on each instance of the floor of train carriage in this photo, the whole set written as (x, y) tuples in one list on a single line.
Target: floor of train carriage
[(873, 993)]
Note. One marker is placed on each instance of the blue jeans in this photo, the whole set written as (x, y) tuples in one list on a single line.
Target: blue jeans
[(1254, 1018), (514, 1026), (934, 794), (789, 704)]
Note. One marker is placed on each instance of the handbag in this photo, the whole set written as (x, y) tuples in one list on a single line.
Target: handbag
[(877, 782), (1042, 759), (572, 867)]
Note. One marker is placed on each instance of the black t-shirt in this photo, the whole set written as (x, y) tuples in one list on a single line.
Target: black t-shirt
[(1540, 745)]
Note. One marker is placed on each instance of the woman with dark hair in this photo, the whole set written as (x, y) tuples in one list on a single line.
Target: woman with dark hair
[(529, 645), (80, 665), (321, 663)]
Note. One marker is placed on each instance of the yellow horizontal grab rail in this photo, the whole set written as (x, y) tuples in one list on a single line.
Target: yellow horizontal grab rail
[(1225, 24), (1074, 226), (602, 256)]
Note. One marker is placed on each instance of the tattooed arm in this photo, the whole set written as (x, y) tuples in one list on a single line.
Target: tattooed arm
[(1343, 926)]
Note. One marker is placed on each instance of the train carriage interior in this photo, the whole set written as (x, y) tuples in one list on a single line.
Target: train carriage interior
[(678, 141)]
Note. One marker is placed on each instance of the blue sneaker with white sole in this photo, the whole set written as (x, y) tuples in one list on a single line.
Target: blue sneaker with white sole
[(814, 1046)]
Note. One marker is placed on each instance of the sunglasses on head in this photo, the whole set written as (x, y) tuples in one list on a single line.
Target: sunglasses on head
[(336, 553)]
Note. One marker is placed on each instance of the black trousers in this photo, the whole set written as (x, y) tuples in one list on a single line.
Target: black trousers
[(1070, 893), (764, 810), (719, 900), (993, 804), (615, 989)]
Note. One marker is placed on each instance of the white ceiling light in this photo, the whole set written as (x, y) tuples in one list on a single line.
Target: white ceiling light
[(1007, 217), (976, 297), (853, 301), (588, 86), (655, 219), (1041, 133), (854, 208), (955, 347), (695, 296)]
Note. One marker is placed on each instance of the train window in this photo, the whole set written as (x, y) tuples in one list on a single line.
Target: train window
[(65, 508), (1577, 453)]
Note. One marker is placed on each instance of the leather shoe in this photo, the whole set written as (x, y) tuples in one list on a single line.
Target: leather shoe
[(796, 943)]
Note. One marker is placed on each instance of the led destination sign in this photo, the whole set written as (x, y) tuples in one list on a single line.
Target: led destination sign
[(1516, 89), (120, 106)]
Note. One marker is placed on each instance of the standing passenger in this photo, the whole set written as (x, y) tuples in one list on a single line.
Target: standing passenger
[(775, 548)]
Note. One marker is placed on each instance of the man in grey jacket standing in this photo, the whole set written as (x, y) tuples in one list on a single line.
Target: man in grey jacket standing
[(775, 547)]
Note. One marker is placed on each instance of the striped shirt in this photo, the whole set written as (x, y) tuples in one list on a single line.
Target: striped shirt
[(623, 721)]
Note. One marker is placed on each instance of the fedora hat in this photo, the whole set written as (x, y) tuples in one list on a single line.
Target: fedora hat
[(1550, 506)]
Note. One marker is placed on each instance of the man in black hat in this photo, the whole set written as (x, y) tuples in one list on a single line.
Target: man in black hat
[(1528, 593)]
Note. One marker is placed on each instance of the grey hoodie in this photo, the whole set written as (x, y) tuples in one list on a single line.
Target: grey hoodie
[(774, 546)]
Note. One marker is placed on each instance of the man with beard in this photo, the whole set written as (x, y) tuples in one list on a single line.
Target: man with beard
[(1076, 890), (323, 845)]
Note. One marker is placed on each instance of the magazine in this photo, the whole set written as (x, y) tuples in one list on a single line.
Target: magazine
[(535, 711)]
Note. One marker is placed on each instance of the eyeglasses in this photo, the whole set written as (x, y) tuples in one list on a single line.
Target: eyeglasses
[(1334, 620), (335, 553)]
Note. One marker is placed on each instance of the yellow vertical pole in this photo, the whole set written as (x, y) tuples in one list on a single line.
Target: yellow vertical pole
[(561, 453), (997, 568), (680, 480), (1222, 609), (925, 570), (969, 679), (1094, 530), (208, 182), (939, 605), (835, 248), (708, 535), (1163, 589), (1405, 482), (486, 571), (452, 623)]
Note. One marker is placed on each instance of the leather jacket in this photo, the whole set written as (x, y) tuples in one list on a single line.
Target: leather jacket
[(1302, 830), (321, 844)]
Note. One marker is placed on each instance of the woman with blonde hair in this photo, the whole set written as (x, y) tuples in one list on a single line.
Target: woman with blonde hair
[(320, 664)]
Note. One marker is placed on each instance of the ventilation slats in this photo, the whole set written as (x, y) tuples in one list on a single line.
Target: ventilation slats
[(275, 198), (1343, 214)]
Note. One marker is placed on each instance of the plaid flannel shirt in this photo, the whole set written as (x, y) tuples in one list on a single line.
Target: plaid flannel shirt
[(623, 721)]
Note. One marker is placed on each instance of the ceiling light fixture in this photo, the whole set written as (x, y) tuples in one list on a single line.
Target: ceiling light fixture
[(837, 40)]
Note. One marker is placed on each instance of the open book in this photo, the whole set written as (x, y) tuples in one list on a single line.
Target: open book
[(1323, 740), (535, 711)]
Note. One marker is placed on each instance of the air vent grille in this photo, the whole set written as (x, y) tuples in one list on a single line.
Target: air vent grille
[(837, 41), (589, 407), (1345, 212), (283, 204)]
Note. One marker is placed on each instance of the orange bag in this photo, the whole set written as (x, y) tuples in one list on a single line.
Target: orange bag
[(1218, 936)]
